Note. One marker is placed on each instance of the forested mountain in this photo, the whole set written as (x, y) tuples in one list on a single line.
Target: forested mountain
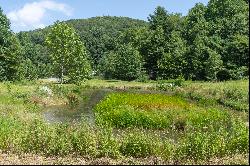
[(210, 43), (99, 34)]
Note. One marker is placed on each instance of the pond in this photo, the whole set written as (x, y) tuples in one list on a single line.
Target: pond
[(82, 112)]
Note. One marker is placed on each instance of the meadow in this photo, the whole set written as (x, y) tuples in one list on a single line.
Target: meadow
[(159, 122)]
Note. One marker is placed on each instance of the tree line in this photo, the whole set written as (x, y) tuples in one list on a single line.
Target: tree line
[(210, 43)]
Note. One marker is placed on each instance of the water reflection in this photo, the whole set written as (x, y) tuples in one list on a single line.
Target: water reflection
[(81, 112)]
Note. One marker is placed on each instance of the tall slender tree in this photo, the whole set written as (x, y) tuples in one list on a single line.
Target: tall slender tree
[(68, 53)]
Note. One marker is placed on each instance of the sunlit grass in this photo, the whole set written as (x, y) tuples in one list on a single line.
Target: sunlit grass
[(156, 111), (128, 124)]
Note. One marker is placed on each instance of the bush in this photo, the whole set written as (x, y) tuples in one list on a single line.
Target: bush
[(216, 143), (179, 81), (239, 73), (238, 139), (200, 146), (73, 99), (84, 140), (108, 145), (143, 77), (138, 145), (223, 75)]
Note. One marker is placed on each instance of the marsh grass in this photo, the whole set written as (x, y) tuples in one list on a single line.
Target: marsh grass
[(232, 94), (62, 139), (156, 111), (157, 125)]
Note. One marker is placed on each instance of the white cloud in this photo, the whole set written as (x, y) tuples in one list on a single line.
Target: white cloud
[(32, 14)]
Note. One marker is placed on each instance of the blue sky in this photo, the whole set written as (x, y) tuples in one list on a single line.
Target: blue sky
[(32, 14)]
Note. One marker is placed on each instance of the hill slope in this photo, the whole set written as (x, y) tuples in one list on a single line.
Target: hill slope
[(98, 33)]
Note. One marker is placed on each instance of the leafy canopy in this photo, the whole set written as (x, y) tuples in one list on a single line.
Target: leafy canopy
[(69, 55)]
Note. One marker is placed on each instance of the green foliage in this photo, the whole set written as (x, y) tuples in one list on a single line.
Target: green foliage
[(238, 139), (179, 81), (161, 17), (10, 51), (108, 144), (200, 146), (28, 70), (138, 145), (237, 50), (99, 35), (124, 64), (84, 140), (154, 50), (156, 111), (210, 45), (173, 63), (232, 94), (213, 65), (143, 77), (62, 139), (107, 65), (194, 134), (37, 62), (204, 145), (199, 46), (68, 53)]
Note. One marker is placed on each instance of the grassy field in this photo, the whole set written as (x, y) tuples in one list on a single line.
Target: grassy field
[(159, 122)]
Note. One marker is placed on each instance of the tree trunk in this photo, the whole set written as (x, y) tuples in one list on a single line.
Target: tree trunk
[(62, 74)]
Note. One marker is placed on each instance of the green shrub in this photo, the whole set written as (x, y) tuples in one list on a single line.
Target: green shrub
[(73, 99), (167, 150), (108, 145), (9, 133), (201, 145), (223, 75), (179, 81), (36, 137), (84, 140), (143, 77), (138, 145), (238, 139), (59, 89)]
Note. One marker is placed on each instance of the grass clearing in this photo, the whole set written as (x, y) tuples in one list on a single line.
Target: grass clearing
[(232, 94)]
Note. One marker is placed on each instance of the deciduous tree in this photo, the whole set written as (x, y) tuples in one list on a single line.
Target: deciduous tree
[(68, 53)]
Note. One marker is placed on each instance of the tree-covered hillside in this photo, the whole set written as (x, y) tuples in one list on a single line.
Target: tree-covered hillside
[(210, 43), (99, 34)]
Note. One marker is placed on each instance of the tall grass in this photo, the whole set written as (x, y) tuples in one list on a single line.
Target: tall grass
[(156, 111), (232, 94), (40, 138), (204, 133)]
